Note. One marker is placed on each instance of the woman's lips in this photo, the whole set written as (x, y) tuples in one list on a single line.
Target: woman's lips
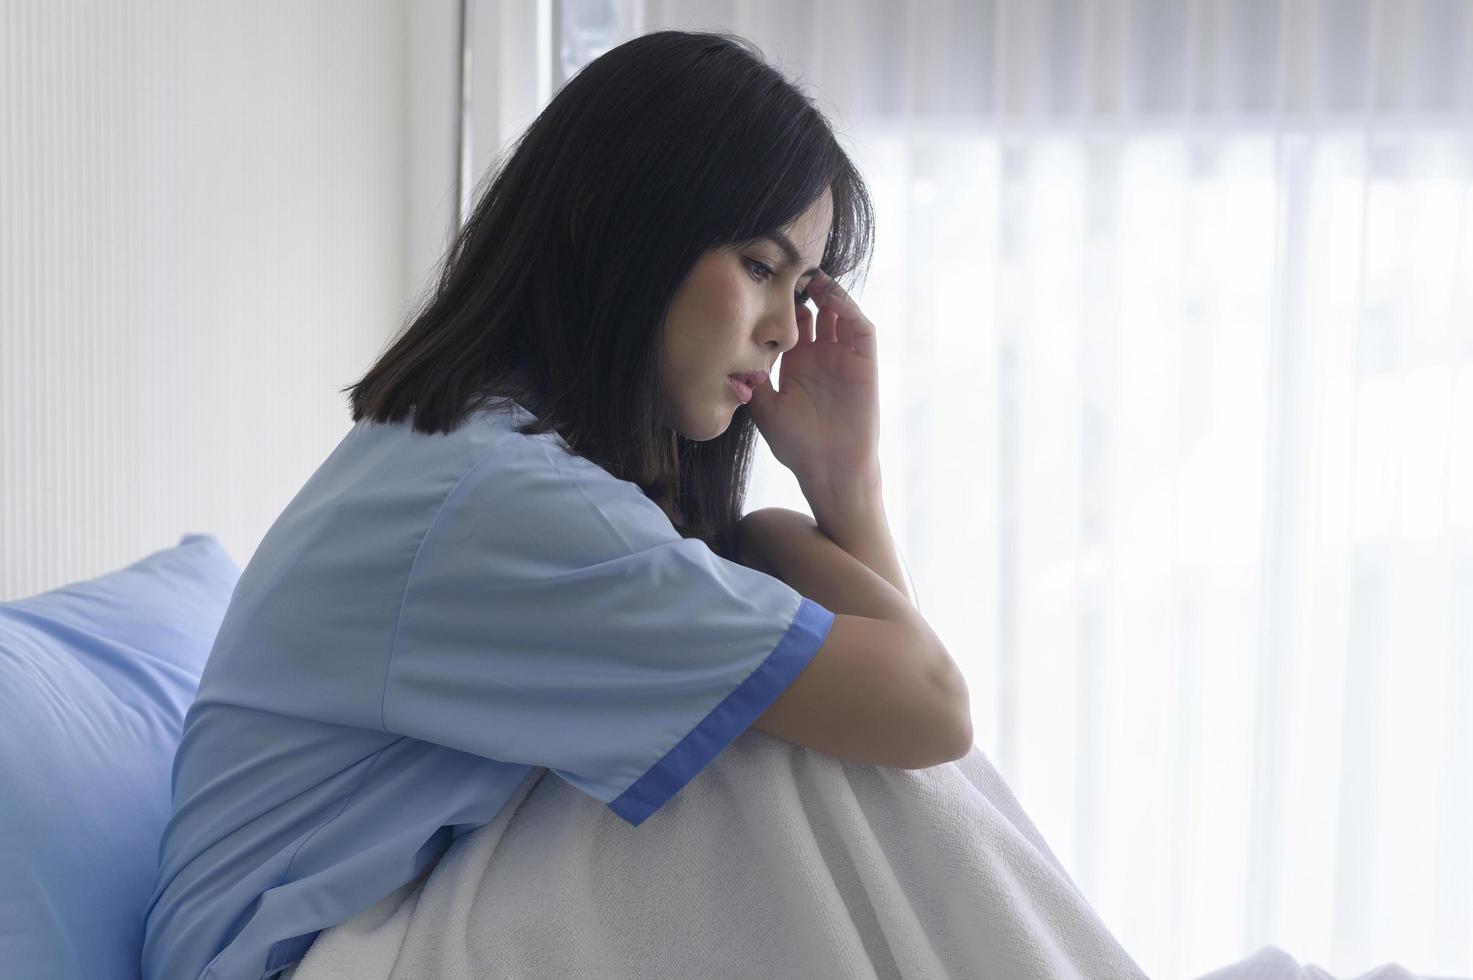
[(742, 389)]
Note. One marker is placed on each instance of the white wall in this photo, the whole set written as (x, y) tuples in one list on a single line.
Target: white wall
[(214, 216)]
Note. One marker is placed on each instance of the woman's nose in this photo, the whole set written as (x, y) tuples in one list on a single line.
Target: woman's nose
[(795, 325)]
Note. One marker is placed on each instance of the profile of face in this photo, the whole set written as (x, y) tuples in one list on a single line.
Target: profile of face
[(734, 313)]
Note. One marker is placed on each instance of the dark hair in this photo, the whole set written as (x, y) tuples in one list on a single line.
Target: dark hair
[(554, 291)]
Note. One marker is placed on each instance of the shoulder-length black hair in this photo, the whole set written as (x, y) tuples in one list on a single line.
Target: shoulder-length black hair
[(555, 290)]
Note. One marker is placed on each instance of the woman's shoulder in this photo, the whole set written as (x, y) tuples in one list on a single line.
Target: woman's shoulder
[(489, 465)]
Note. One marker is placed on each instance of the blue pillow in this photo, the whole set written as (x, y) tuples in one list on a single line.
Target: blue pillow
[(95, 679)]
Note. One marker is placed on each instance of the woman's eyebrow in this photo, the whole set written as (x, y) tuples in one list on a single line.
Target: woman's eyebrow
[(783, 242)]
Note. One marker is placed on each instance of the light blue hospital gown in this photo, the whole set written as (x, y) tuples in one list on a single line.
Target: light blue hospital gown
[(431, 618)]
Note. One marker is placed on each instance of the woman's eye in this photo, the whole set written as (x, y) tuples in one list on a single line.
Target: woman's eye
[(766, 271), (799, 296)]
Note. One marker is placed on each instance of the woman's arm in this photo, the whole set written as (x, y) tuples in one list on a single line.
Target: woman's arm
[(851, 511), (851, 701), (790, 546), (749, 551)]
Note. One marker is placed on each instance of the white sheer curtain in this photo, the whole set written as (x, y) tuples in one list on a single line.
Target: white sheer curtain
[(1175, 304)]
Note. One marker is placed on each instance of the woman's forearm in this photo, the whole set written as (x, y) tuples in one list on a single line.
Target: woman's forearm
[(851, 511), (792, 547)]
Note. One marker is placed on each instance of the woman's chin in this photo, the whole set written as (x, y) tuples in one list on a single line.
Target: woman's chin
[(709, 424), (714, 431), (709, 427)]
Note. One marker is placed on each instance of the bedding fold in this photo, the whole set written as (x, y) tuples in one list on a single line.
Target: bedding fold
[(774, 862)]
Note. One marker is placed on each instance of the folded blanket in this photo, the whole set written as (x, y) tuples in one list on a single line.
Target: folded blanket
[(776, 861)]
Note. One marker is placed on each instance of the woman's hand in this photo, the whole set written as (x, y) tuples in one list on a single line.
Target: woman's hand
[(824, 424)]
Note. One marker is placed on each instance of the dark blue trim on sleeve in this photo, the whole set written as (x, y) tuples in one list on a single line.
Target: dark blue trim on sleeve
[(734, 715)]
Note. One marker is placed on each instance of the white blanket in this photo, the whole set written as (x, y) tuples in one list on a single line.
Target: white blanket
[(774, 862)]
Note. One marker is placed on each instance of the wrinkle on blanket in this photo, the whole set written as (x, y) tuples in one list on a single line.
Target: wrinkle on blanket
[(776, 861)]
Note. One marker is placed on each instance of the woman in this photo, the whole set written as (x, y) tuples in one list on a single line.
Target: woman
[(524, 556)]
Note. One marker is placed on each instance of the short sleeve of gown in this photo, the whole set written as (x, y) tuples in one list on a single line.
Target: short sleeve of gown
[(554, 617)]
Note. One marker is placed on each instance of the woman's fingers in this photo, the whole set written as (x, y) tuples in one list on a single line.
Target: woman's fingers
[(844, 332), (828, 294), (828, 326), (852, 328), (805, 324)]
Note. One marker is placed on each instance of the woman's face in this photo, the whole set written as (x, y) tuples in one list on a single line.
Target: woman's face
[(731, 316)]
